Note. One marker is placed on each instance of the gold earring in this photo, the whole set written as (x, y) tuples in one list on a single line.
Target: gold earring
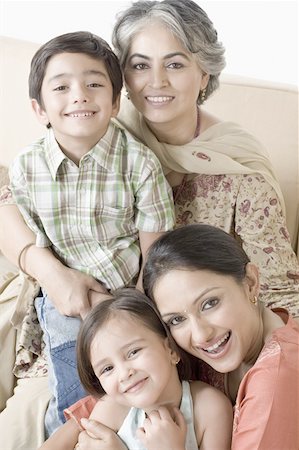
[(203, 95), (254, 300)]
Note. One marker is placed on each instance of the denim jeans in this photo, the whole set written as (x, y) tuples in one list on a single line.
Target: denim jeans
[(60, 335)]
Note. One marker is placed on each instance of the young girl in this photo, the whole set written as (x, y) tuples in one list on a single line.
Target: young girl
[(126, 351)]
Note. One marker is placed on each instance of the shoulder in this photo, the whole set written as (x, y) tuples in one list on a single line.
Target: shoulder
[(203, 393), (215, 402), (133, 147), (213, 416), (109, 413), (30, 152)]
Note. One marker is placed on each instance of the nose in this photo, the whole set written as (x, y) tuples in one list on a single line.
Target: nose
[(125, 372), (80, 94), (200, 331), (158, 77)]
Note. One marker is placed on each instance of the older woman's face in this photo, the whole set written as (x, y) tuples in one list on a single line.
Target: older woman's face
[(210, 316), (162, 77)]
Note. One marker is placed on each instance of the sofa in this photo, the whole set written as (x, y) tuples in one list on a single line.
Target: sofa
[(267, 110)]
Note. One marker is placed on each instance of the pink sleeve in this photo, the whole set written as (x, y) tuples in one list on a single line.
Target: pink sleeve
[(81, 409), (266, 413)]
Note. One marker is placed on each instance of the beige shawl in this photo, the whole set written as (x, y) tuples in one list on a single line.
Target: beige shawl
[(224, 148)]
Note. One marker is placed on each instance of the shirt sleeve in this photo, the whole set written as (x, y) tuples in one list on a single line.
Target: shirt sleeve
[(261, 225), (153, 199), (24, 201), (81, 409), (266, 412)]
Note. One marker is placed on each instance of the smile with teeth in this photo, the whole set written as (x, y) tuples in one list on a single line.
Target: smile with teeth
[(159, 99), (81, 114), (216, 347)]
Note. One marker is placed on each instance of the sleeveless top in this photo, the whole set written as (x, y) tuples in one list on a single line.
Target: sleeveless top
[(136, 416)]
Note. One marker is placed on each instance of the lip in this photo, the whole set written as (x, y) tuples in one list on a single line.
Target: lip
[(159, 100), (135, 387), (220, 351), (80, 114)]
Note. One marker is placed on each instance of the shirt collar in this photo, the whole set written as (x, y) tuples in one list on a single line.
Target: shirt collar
[(103, 152), (107, 148), (53, 153)]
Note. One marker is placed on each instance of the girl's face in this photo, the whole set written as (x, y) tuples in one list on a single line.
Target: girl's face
[(133, 364), (162, 77), (211, 316)]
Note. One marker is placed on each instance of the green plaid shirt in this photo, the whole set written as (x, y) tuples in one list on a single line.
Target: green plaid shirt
[(90, 215)]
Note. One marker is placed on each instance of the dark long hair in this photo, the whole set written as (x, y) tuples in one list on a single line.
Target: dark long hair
[(194, 247)]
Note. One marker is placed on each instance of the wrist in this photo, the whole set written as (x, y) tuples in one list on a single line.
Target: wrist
[(40, 263)]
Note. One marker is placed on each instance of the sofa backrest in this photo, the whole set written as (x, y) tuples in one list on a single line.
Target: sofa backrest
[(270, 112), (267, 110)]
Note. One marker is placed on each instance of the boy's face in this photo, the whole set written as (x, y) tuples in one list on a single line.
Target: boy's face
[(77, 99)]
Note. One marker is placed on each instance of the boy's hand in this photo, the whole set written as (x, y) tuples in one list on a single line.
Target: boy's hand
[(160, 430), (98, 437), (68, 289)]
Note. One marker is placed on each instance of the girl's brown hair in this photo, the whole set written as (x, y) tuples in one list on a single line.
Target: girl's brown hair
[(137, 305)]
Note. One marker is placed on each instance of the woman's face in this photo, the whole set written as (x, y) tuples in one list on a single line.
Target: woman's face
[(211, 316), (162, 77)]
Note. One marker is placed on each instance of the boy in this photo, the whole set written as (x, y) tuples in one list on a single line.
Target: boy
[(87, 189)]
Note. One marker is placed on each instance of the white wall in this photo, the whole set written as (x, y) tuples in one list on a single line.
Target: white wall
[(261, 37)]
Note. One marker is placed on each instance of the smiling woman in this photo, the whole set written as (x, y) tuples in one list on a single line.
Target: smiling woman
[(207, 290)]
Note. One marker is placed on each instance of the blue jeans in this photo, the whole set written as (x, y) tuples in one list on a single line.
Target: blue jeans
[(60, 335)]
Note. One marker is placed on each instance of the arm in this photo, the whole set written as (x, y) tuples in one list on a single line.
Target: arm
[(100, 431), (261, 225), (146, 240), (213, 422), (65, 438), (70, 285), (266, 411)]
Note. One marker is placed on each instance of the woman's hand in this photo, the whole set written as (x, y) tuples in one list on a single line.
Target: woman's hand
[(161, 430), (98, 437)]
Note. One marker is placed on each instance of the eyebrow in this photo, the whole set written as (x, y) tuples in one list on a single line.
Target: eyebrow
[(169, 55), (86, 72), (193, 303), (102, 361)]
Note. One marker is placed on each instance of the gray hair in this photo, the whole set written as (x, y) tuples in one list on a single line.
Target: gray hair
[(186, 20)]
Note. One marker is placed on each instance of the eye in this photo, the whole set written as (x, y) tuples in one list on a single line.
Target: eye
[(176, 320), (95, 85), (106, 370), (133, 352), (60, 88), (210, 303), (140, 66), (174, 65)]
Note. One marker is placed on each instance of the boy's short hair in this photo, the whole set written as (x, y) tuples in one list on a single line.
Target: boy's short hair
[(76, 42)]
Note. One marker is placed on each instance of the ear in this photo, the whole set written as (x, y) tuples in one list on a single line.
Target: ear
[(115, 107), (40, 113), (252, 279), (204, 80), (173, 356)]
